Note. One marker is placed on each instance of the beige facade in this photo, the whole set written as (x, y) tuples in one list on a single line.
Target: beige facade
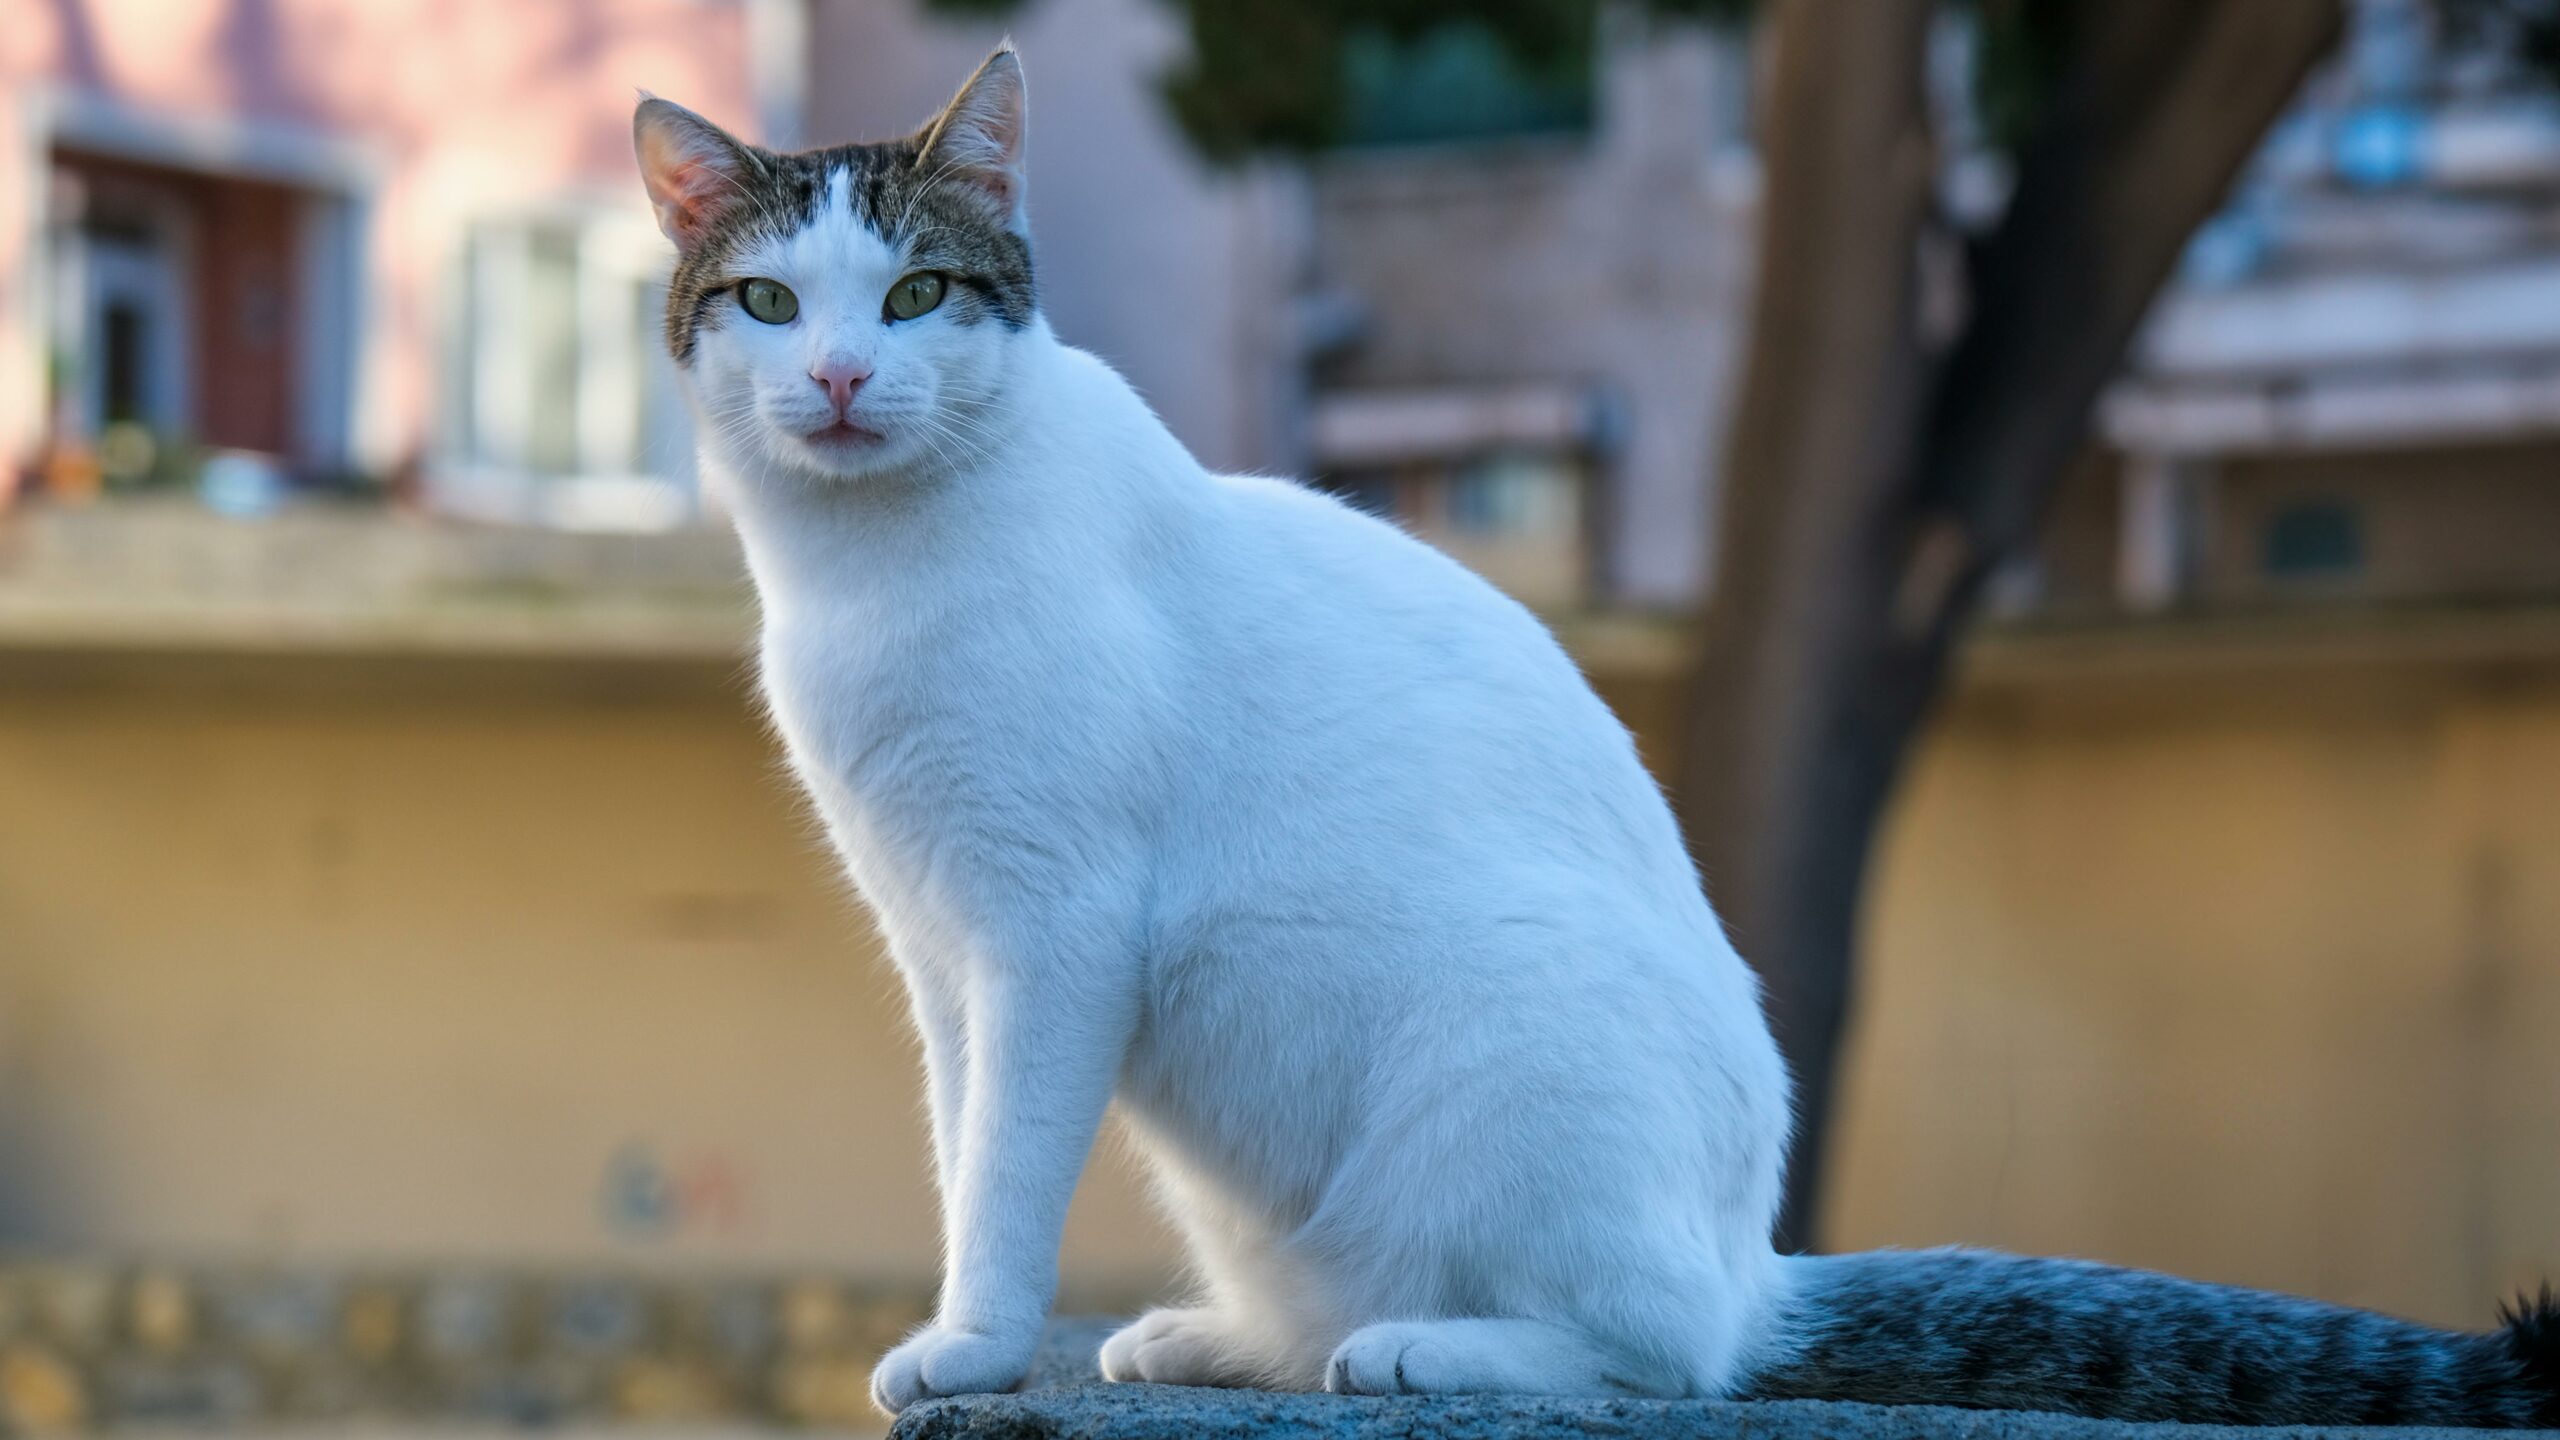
[(2231, 949)]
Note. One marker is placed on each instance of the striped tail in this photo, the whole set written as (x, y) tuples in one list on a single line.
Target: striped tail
[(1991, 1331)]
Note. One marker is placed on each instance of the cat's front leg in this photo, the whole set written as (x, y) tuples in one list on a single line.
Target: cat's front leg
[(1045, 1037), (941, 1034)]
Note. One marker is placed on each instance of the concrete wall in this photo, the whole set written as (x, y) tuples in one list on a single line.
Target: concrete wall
[(2243, 965)]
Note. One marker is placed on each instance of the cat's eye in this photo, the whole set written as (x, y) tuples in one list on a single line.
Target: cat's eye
[(915, 295), (770, 301)]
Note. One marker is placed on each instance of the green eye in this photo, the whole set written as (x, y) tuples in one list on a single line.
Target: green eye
[(915, 295), (770, 301)]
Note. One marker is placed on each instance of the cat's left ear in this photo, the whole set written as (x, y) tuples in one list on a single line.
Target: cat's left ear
[(977, 139), (696, 172)]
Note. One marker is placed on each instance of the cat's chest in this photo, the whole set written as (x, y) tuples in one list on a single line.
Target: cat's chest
[(930, 753), (872, 730)]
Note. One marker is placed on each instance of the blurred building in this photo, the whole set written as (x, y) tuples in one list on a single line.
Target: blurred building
[(1504, 312), (342, 246), (2219, 927), (2354, 393), (1536, 322), (252, 249)]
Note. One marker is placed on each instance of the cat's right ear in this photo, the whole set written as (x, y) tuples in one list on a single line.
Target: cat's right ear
[(695, 170)]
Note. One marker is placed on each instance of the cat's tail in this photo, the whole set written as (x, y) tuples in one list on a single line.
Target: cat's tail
[(1981, 1329)]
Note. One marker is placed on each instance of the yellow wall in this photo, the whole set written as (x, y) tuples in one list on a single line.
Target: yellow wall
[(2254, 978), (383, 960)]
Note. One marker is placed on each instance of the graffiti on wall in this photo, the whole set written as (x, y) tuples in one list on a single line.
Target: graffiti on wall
[(649, 1194)]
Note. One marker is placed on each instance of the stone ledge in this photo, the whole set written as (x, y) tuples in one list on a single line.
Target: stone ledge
[(1062, 1401), (162, 575)]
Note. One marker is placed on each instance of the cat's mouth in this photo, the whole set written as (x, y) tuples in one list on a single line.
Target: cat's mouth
[(843, 434)]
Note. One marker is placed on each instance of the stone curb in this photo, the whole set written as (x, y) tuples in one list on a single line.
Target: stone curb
[(86, 1345)]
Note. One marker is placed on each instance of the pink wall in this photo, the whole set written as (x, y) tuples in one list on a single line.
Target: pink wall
[(463, 108)]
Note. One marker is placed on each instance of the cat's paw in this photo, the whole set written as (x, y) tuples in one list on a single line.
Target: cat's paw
[(1393, 1360), (1488, 1357), (939, 1360), (1173, 1347)]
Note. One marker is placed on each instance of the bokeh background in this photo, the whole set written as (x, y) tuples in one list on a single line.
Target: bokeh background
[(422, 993)]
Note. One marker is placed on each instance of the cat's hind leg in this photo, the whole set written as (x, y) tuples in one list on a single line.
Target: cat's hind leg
[(1509, 1357), (1199, 1346)]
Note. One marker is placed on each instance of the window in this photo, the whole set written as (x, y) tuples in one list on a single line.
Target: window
[(1515, 516), (559, 405), (2314, 539)]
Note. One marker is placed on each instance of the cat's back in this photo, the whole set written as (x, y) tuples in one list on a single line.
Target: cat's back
[(1397, 786), (1353, 582)]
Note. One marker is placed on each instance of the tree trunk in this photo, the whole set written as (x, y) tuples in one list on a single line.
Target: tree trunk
[(1829, 405), (1876, 478)]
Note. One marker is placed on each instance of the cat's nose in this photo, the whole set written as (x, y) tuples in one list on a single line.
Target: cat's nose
[(840, 378)]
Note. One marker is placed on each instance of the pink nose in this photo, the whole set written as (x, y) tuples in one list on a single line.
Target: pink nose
[(840, 378)]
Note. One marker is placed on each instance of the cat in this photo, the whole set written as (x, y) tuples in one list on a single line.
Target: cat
[(1212, 799)]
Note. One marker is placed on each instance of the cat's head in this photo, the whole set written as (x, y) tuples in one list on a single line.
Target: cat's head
[(852, 311)]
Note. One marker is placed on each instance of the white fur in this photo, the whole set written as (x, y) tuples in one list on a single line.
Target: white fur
[(1210, 798)]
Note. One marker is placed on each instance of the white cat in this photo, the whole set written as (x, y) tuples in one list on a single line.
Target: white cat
[(1209, 797)]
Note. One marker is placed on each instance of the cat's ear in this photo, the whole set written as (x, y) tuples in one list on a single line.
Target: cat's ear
[(977, 139), (695, 170)]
